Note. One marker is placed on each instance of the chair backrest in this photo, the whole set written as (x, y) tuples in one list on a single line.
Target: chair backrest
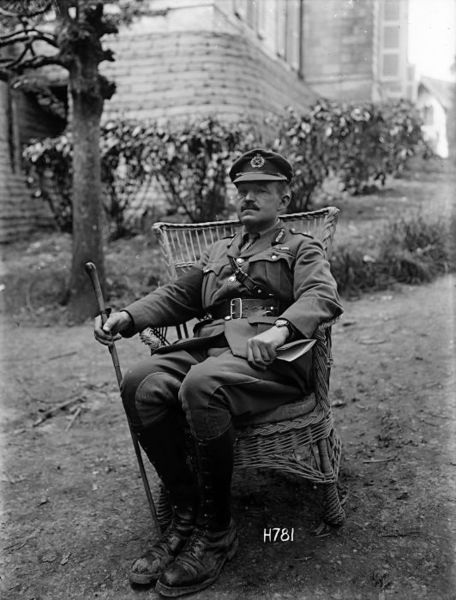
[(183, 243)]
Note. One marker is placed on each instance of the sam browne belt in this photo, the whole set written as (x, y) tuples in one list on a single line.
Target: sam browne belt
[(241, 308)]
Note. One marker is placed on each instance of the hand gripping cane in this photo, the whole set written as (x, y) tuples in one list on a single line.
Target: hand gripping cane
[(91, 271)]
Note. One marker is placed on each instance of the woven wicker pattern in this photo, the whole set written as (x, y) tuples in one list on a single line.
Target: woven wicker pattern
[(183, 244), (306, 445)]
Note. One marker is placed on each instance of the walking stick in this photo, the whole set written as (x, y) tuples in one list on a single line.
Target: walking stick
[(91, 271)]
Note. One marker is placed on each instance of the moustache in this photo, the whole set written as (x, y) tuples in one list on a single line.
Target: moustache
[(249, 206)]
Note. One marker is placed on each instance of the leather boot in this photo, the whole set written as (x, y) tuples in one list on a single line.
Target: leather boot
[(214, 539), (164, 445)]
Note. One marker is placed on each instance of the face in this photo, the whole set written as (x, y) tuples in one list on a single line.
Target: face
[(259, 203)]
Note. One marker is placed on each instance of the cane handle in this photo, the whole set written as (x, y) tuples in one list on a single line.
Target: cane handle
[(92, 272)]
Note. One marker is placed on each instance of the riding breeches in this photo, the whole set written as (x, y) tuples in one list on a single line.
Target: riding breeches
[(211, 387)]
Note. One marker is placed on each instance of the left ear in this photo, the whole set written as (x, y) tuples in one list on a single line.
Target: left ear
[(284, 202)]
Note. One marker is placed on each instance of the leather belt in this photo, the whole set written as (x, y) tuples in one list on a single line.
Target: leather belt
[(241, 308)]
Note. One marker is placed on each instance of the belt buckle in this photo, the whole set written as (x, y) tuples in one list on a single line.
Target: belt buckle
[(236, 308)]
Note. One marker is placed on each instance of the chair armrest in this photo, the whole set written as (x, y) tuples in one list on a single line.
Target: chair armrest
[(154, 338), (322, 362)]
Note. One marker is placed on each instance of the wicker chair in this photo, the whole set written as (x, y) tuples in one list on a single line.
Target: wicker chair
[(297, 438)]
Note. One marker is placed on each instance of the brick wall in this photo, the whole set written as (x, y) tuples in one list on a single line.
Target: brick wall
[(19, 213), (184, 74)]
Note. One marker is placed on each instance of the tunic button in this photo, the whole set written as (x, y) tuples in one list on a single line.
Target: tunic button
[(239, 261), (232, 278)]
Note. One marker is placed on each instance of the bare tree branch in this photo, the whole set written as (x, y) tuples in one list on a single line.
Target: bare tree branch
[(30, 35), (7, 13), (40, 61), (8, 36), (45, 37), (41, 11), (13, 62), (26, 13)]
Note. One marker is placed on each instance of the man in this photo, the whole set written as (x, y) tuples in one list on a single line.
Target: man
[(256, 290)]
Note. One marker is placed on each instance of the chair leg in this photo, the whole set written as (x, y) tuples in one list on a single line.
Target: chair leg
[(334, 514)]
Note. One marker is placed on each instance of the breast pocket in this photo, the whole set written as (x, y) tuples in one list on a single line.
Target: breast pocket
[(275, 270), (213, 275)]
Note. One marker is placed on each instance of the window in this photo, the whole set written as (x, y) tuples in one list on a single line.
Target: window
[(391, 36), (392, 10), (392, 47), (293, 34), (262, 18), (278, 23), (390, 65), (281, 23)]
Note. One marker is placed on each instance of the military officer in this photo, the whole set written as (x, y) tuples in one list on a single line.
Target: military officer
[(256, 290)]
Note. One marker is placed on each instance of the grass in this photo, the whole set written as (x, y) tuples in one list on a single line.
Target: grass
[(409, 250)]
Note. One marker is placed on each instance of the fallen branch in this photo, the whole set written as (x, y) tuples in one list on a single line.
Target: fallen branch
[(77, 412), (401, 534), (50, 412)]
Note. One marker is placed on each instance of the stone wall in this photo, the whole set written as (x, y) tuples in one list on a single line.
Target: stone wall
[(19, 212), (185, 74)]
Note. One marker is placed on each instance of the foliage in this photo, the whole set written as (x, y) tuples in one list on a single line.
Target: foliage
[(415, 249), (359, 143), (188, 163), (411, 250), (48, 168), (70, 34), (187, 166)]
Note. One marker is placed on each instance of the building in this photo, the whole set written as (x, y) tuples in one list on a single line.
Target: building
[(21, 119), (246, 58), (434, 100)]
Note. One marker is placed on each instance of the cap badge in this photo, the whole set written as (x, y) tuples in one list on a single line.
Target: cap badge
[(257, 161)]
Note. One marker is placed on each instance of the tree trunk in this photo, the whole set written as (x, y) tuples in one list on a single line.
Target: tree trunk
[(80, 47), (87, 203)]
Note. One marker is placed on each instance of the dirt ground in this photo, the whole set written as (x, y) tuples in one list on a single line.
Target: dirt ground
[(74, 511)]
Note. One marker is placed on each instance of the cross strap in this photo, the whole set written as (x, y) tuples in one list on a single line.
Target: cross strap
[(254, 289)]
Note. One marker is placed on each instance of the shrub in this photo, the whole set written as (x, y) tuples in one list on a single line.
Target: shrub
[(359, 143), (355, 271), (411, 250), (187, 166), (415, 249), (48, 166)]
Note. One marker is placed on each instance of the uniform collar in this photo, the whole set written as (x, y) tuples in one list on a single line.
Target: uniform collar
[(272, 235)]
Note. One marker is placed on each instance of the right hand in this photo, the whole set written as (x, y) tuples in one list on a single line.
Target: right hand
[(108, 333)]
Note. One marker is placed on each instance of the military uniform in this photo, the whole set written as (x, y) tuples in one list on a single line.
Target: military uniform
[(240, 288), (290, 272)]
